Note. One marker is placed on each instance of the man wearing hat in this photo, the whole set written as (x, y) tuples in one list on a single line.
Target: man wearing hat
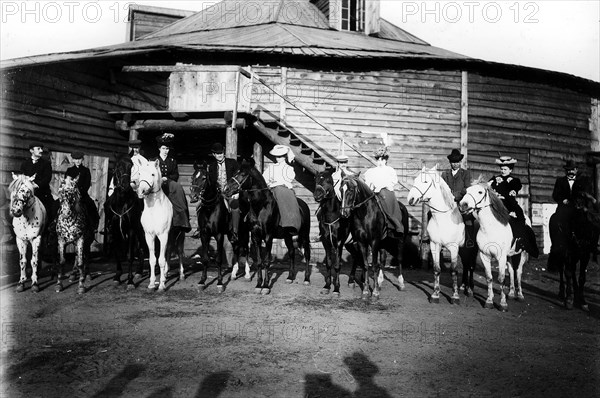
[(42, 169), (457, 178), (220, 170), (78, 170), (565, 187), (507, 187), (341, 170)]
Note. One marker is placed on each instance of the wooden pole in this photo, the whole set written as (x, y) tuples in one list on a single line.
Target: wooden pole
[(257, 155), (174, 125), (464, 118)]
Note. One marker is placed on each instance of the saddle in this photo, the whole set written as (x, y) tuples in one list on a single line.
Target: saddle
[(523, 237), (390, 222)]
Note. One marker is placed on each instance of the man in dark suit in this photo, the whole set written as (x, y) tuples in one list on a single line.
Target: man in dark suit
[(42, 169), (83, 184), (566, 187), (220, 170)]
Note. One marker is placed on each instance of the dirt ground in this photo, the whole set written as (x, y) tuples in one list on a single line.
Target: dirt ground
[(295, 342)]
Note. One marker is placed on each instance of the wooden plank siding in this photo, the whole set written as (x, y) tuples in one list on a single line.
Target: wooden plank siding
[(544, 124), (418, 110)]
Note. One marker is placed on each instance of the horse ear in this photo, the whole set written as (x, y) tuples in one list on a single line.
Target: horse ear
[(32, 177), (15, 176), (157, 163), (196, 166), (434, 168), (424, 169)]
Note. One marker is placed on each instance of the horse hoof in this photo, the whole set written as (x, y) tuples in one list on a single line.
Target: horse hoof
[(35, 288), (469, 292), (257, 290), (324, 291), (80, 290), (520, 298), (137, 277), (247, 278), (306, 283), (150, 289), (130, 286), (220, 288), (162, 289), (402, 287), (58, 288), (489, 305), (73, 278), (585, 308), (352, 285), (375, 296), (455, 300), (288, 281), (336, 294), (20, 287), (366, 295), (504, 307), (435, 300), (511, 296), (569, 305), (264, 292), (181, 278)]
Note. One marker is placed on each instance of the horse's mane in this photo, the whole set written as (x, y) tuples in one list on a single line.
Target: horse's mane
[(498, 209), (15, 184), (254, 173), (446, 192), (363, 188)]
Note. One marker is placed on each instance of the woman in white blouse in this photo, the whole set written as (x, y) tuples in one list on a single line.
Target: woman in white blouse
[(279, 177), (382, 179)]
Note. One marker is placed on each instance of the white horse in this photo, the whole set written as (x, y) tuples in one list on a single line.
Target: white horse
[(495, 240), (445, 228), (156, 217), (29, 220)]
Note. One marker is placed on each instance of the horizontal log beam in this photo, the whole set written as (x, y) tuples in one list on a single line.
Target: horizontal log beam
[(173, 125)]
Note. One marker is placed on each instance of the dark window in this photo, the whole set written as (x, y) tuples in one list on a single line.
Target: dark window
[(353, 15)]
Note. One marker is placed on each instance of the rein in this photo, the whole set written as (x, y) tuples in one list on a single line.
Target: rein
[(121, 215), (475, 208), (356, 206)]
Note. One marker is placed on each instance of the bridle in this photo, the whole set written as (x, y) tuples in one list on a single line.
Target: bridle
[(420, 199), (475, 208), (202, 202), (354, 205)]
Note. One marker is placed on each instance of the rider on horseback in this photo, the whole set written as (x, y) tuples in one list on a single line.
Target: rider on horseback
[(42, 169), (507, 187), (458, 180), (279, 177), (83, 184), (565, 188), (382, 179)]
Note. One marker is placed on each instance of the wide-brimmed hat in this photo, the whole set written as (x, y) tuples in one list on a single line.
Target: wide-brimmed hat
[(455, 156), (341, 159), (134, 143), (381, 152), (166, 139), (570, 165), (506, 160), (35, 144), (77, 155), (217, 147), (282, 150)]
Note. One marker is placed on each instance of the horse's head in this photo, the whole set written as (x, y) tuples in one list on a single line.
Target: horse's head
[(242, 180), (122, 172), (323, 186), (349, 189), (587, 205), (68, 193), (21, 194), (200, 182), (424, 185), (149, 178)]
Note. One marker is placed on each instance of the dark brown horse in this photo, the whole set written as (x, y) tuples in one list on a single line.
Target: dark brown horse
[(263, 223), (123, 210), (368, 228), (214, 220), (574, 232)]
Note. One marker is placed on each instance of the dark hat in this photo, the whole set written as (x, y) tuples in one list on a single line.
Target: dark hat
[(217, 147), (342, 159), (455, 156), (570, 165), (34, 144), (166, 139), (506, 161), (134, 143), (77, 155), (72, 172)]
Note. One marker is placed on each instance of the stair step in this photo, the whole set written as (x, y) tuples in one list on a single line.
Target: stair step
[(283, 132)]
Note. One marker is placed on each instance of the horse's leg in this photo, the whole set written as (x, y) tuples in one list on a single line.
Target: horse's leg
[(364, 254), (256, 242), (377, 279), (487, 265), (561, 260), (306, 252), (570, 267), (35, 250), (204, 259), (131, 251), (292, 257), (219, 237), (399, 256), (61, 263), (266, 264), (583, 263), (436, 248), (502, 264), (330, 253), (512, 263), (336, 267), (520, 295), (351, 248), (80, 263), (151, 261), (454, 269), (22, 245), (162, 260), (180, 241)]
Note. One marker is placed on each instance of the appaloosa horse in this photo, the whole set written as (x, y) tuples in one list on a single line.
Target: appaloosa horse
[(29, 220), (446, 228), (71, 227), (496, 240), (123, 211), (368, 228), (157, 218), (263, 222), (214, 220)]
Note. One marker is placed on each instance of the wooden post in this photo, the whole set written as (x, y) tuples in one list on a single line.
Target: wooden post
[(595, 130), (425, 249), (464, 117), (283, 90), (257, 154)]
